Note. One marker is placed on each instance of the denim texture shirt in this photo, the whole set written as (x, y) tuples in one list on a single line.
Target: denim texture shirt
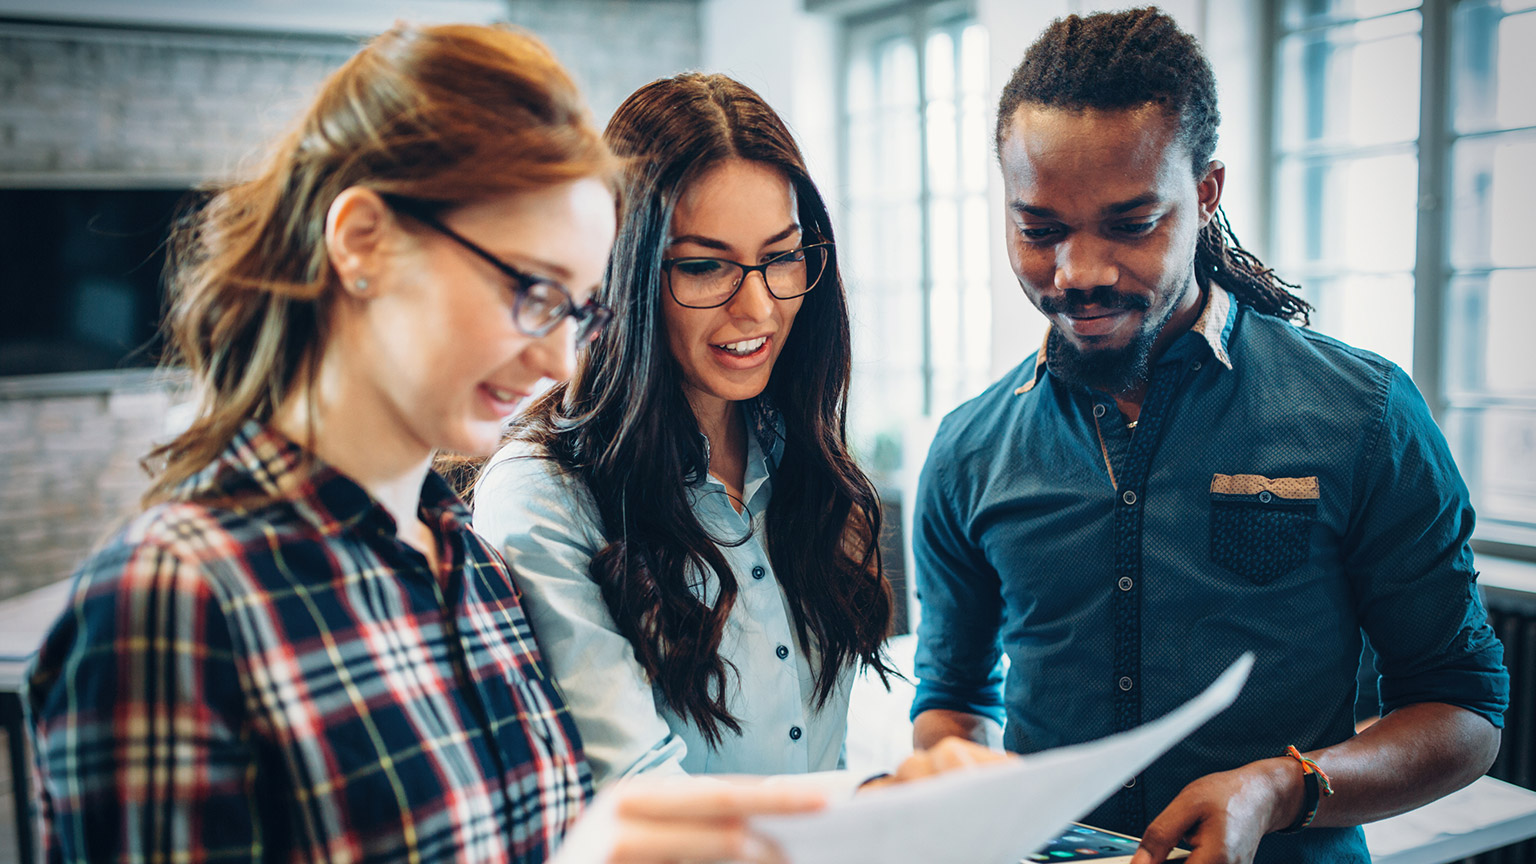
[(547, 526), (1280, 493)]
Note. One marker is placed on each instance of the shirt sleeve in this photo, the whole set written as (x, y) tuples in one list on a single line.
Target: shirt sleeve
[(548, 530), (1412, 569), (138, 719), (958, 640)]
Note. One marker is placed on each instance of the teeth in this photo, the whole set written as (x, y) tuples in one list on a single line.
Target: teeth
[(745, 348), (502, 395)]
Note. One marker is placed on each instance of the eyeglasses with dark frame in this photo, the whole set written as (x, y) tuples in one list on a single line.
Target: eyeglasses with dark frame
[(706, 283), (539, 304)]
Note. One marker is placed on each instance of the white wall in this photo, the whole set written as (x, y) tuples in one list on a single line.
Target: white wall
[(1233, 35), (790, 57), (1017, 327)]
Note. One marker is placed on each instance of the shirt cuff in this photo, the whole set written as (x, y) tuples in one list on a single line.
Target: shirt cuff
[(983, 702)]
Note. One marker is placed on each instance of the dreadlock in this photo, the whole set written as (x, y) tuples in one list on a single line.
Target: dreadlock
[(1116, 61)]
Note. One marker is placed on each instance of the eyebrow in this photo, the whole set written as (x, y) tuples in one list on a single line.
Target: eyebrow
[(711, 243), (1134, 204), (1112, 210), (538, 266)]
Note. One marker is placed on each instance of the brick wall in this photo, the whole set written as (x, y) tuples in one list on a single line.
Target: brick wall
[(121, 107), (69, 466), (97, 106), (113, 106), (612, 47)]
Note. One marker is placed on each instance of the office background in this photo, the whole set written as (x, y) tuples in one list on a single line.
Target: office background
[(1380, 153)]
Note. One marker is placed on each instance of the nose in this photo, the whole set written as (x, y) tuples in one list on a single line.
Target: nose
[(553, 355), (1085, 262), (752, 301)]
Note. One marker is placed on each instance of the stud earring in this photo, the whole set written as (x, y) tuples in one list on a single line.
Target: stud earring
[(361, 285)]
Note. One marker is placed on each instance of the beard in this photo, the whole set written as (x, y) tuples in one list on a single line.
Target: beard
[(1109, 370)]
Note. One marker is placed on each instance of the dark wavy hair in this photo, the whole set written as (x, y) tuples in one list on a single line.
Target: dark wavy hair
[(623, 426), (1119, 60)]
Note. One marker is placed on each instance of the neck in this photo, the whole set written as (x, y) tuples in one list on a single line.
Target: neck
[(720, 421), (352, 434)]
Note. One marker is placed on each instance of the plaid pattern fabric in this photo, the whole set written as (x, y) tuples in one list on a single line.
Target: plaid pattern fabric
[(264, 672)]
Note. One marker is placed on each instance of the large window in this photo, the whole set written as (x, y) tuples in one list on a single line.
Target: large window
[(1490, 380), (1346, 142), (916, 229), (1404, 174)]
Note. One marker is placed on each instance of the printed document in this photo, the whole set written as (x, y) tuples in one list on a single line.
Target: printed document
[(992, 814)]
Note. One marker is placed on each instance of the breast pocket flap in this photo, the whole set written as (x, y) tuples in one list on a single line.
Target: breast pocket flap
[(1261, 527)]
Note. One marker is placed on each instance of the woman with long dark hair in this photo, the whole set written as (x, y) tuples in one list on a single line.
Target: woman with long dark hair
[(299, 650), (696, 547)]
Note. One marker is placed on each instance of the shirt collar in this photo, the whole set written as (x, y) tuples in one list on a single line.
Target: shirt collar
[(765, 444), (1214, 326), (261, 466)]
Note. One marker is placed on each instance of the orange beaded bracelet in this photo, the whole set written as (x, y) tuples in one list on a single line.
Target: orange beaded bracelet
[(1315, 787)]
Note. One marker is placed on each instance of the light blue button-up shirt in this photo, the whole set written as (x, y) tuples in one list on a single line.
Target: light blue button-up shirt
[(547, 525)]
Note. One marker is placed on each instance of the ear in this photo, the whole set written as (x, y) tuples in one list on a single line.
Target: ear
[(355, 228), (1208, 190)]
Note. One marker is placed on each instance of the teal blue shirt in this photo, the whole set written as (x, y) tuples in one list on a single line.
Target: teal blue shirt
[(1280, 493)]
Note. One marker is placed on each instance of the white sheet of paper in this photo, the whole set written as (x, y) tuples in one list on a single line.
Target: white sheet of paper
[(995, 814)]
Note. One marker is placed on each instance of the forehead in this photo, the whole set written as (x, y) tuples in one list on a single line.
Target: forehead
[(735, 195), (1113, 155)]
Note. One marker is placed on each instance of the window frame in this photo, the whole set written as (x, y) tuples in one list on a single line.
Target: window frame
[(1434, 323), (915, 20)]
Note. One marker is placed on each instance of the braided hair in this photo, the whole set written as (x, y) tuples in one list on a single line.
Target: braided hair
[(1116, 61)]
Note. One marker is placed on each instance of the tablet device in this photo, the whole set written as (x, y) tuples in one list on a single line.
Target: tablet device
[(1083, 843)]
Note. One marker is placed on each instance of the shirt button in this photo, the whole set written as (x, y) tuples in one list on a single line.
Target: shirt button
[(1129, 497), (1125, 583), (1125, 683), (1265, 497), (758, 572), (1131, 783), (794, 733), (782, 651), (1098, 410)]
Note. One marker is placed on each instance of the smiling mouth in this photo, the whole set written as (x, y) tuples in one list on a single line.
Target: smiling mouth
[(1096, 324), (503, 395), (744, 347)]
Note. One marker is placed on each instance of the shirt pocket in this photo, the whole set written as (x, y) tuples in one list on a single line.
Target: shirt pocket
[(1261, 527)]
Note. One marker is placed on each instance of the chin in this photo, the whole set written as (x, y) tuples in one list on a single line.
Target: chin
[(473, 440), (736, 392), (1097, 346)]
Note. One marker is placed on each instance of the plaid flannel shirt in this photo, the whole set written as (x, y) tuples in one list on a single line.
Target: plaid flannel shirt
[(263, 671)]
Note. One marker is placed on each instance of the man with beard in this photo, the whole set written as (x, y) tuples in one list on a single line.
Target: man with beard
[(1182, 474)]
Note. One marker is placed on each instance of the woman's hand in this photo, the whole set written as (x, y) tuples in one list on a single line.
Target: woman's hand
[(950, 754), (677, 819)]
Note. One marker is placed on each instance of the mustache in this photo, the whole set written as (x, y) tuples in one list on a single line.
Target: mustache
[(1074, 301)]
